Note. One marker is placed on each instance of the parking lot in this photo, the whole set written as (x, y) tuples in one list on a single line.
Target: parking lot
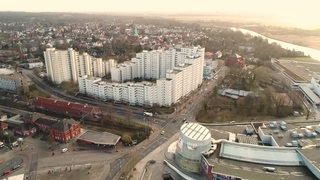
[(283, 137), (254, 171)]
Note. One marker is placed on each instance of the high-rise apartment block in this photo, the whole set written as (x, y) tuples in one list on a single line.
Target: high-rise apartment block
[(176, 73), (68, 65)]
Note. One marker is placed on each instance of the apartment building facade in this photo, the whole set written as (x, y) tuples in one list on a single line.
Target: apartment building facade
[(180, 78), (68, 65)]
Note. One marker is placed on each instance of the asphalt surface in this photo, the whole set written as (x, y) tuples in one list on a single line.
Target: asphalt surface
[(116, 166), (10, 164), (33, 167)]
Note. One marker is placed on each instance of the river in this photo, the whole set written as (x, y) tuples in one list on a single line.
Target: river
[(315, 54)]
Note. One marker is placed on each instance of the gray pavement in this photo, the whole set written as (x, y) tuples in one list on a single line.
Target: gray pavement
[(11, 164)]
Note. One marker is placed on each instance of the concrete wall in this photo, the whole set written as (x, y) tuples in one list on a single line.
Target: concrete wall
[(314, 169), (267, 138)]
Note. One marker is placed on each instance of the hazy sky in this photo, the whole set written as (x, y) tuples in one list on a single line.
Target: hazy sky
[(302, 12)]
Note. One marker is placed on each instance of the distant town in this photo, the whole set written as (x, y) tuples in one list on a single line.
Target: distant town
[(95, 96)]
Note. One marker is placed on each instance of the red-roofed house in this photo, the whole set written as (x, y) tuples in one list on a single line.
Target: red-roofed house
[(235, 61), (61, 130)]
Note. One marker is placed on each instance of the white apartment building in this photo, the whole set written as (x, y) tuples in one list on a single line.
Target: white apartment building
[(126, 71), (98, 67), (154, 64), (108, 65), (143, 93), (164, 92), (84, 65), (176, 77), (68, 65), (61, 65), (178, 81)]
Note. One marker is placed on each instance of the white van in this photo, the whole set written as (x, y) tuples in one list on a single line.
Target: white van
[(15, 144), (64, 150)]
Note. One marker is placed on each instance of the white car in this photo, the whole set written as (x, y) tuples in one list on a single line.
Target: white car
[(1, 144), (64, 150)]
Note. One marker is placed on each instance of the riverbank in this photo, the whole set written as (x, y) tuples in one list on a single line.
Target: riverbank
[(301, 37), (314, 53), (307, 41)]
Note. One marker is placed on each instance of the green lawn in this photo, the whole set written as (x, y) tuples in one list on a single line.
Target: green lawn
[(35, 92), (166, 110)]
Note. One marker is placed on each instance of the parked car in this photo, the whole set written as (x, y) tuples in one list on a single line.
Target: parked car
[(6, 172), (16, 166), (64, 150), (1, 144)]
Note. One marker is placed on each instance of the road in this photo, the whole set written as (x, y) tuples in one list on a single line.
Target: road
[(172, 127), (14, 110), (33, 166)]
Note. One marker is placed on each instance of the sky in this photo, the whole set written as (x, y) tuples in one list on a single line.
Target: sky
[(300, 12)]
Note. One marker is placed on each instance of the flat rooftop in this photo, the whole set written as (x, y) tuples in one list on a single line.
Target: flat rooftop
[(260, 154), (291, 74), (312, 155), (309, 143), (101, 138), (254, 170), (5, 71), (302, 69), (306, 90), (195, 131), (174, 71)]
